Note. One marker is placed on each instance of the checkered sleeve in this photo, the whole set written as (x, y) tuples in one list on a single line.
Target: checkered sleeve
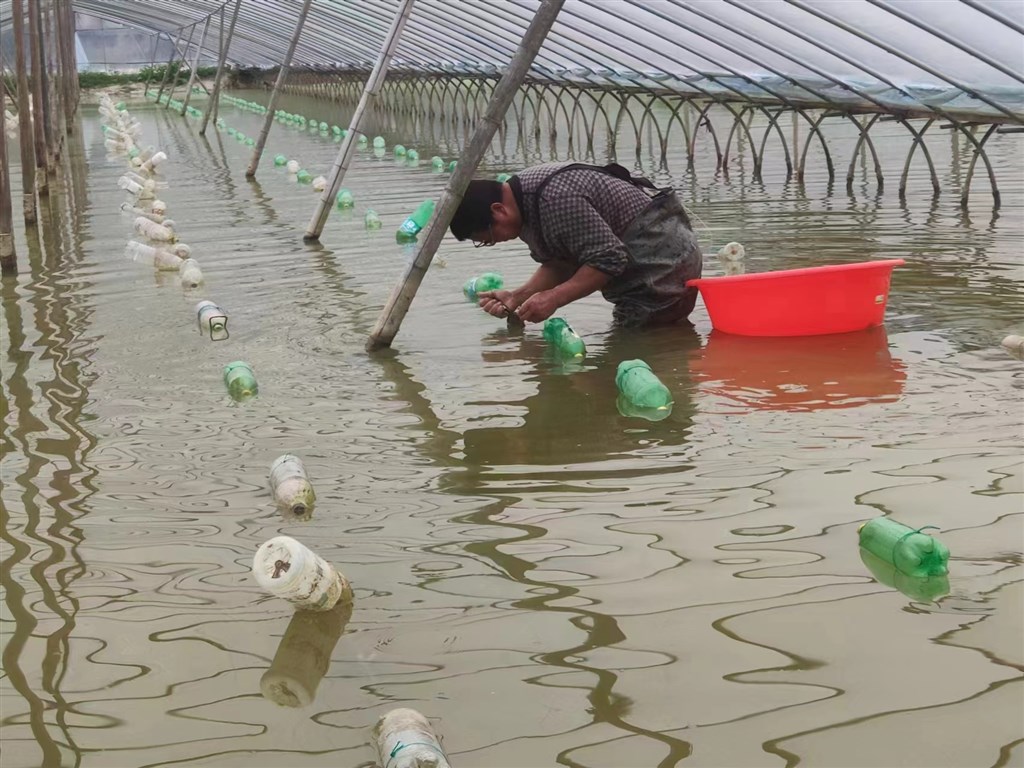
[(572, 225)]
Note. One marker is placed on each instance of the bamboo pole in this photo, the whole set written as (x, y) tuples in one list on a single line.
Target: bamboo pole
[(25, 138), (170, 61), (72, 55), (8, 258), (66, 65), (52, 148), (225, 45), (184, 55), (38, 120), (250, 172), (195, 64), (56, 81), (394, 312), (373, 85)]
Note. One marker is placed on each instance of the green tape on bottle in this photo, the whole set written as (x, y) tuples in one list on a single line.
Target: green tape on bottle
[(924, 588), (910, 551)]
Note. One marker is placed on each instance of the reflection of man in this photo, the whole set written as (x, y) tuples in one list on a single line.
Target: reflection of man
[(573, 417), (591, 228)]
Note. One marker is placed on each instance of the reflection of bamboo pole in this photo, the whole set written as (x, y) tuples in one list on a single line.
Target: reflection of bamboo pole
[(25, 141), (38, 110), (195, 65), (8, 259), (281, 75), (373, 84), (225, 45), (405, 291)]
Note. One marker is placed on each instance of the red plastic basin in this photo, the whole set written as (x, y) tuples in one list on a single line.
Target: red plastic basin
[(838, 298)]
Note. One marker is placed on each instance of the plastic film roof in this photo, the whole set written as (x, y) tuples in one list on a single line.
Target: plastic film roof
[(952, 58)]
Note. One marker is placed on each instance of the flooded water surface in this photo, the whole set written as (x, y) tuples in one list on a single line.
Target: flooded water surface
[(549, 581)]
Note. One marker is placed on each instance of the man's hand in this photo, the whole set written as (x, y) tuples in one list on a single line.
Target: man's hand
[(497, 303), (539, 307)]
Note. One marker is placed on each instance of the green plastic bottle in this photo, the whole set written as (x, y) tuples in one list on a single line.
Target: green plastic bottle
[(280, 160), (336, 130), (240, 380), (362, 140), (488, 281), (399, 150), (437, 163), (503, 177), (378, 142), (412, 156), (303, 176), (415, 222), (344, 199), (924, 588), (911, 552), (371, 220), (638, 385), (250, 142), (314, 124), (452, 166), (560, 335)]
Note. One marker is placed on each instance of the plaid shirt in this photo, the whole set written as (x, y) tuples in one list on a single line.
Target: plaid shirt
[(582, 216)]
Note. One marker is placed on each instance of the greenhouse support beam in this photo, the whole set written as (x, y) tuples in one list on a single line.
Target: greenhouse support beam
[(195, 64), (225, 45), (170, 62), (250, 172), (394, 312), (8, 258), (370, 90), (67, 66), (184, 56), (25, 140), (39, 111)]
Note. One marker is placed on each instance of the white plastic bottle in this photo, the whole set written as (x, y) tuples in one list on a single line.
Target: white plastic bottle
[(135, 211), (191, 274), (405, 739), (292, 166), (291, 489), (154, 231), (158, 257), (320, 183), (1014, 345), (285, 568), (158, 206), (155, 161), (212, 319), (731, 257)]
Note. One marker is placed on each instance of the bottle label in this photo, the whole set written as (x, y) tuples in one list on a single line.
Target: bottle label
[(409, 227)]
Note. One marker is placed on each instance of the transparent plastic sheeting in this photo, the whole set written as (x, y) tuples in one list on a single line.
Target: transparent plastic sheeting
[(952, 58)]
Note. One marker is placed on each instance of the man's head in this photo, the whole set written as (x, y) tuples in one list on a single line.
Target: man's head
[(488, 213)]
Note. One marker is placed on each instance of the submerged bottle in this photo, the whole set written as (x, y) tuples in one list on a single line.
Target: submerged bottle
[(488, 281), (563, 339), (320, 183), (153, 231), (292, 166), (1014, 345), (212, 319), (452, 166), (399, 150), (344, 199), (303, 177), (412, 157), (240, 380), (287, 569), (158, 257), (731, 257), (638, 385), (910, 551), (925, 588), (415, 222), (378, 142), (371, 220), (291, 489), (280, 160), (190, 273), (134, 211), (154, 162), (437, 163)]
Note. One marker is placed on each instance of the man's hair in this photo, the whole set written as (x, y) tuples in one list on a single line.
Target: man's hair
[(474, 212)]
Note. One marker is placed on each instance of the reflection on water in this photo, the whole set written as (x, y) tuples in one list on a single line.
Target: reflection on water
[(551, 582)]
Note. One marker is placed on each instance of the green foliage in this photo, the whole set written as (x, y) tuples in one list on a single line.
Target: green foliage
[(154, 74)]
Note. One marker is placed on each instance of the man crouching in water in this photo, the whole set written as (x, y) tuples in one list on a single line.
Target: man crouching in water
[(591, 228)]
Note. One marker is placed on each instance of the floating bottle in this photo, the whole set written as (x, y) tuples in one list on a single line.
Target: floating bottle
[(361, 141), (371, 220), (304, 655), (924, 588), (336, 130), (910, 551), (437, 163), (640, 387), (280, 160), (158, 257), (250, 142), (313, 124), (415, 222), (1014, 345), (240, 380), (142, 191), (154, 162), (303, 177), (212, 320), (731, 257), (181, 250), (134, 211), (154, 231), (158, 207), (399, 150), (378, 142), (405, 739), (287, 569), (190, 273), (412, 157), (488, 281), (344, 198), (291, 489), (452, 166), (503, 177), (320, 183), (563, 339), (292, 166)]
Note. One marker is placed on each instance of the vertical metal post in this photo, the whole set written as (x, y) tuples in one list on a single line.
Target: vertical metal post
[(215, 99), (184, 55), (195, 64), (25, 138), (170, 61), (373, 85), (38, 112), (8, 258), (269, 120), (394, 312)]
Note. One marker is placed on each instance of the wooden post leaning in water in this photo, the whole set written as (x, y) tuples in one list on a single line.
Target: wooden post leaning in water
[(26, 133), (184, 55), (52, 48), (8, 260), (38, 124), (394, 312), (224, 46), (261, 142), (170, 63), (370, 90), (195, 65)]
